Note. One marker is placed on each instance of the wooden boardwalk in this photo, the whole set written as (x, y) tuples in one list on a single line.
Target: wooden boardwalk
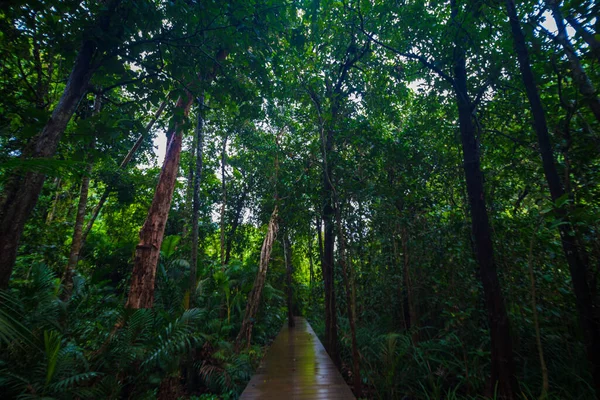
[(297, 367)]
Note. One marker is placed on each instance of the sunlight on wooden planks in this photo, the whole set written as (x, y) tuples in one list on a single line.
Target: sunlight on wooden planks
[(297, 367)]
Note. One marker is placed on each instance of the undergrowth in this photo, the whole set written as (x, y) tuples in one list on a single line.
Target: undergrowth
[(90, 347)]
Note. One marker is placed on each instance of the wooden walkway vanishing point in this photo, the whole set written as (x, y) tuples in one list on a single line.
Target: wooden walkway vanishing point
[(297, 366)]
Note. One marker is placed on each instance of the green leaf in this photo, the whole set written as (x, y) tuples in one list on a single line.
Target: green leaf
[(169, 245)]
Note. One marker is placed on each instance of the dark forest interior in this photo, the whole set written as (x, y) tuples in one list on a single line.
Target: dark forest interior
[(419, 180)]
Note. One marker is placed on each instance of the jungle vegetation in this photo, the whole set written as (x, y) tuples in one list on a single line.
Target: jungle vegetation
[(419, 179)]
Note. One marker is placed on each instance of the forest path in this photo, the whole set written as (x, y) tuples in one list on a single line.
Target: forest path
[(297, 366)]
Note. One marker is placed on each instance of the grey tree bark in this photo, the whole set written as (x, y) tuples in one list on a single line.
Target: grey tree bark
[(245, 334)]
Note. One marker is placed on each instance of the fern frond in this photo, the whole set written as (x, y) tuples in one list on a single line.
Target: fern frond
[(11, 329), (138, 326), (176, 339), (52, 342), (74, 380), (16, 382)]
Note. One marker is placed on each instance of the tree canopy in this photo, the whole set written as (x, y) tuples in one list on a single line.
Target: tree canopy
[(419, 179)]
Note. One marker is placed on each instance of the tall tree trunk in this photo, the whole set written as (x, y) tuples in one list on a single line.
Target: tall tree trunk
[(189, 190), (223, 198), (320, 238), (401, 286), (77, 235), (319, 227), (331, 340), (50, 216), (502, 365), (123, 164), (235, 223), (141, 292), (311, 268), (42, 85), (287, 253), (335, 93), (585, 302), (254, 297), (345, 264), (585, 85), (265, 255), (410, 299), (195, 179), (77, 241), (587, 36), (23, 189), (536, 323), (199, 150)]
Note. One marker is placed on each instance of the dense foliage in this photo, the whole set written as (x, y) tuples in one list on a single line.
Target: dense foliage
[(429, 172)]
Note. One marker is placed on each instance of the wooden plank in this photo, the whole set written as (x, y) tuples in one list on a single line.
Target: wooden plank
[(297, 366)]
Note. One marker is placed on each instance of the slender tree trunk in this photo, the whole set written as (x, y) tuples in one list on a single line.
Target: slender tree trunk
[(77, 242), (328, 215), (345, 263), (141, 292), (77, 235), (195, 179), (587, 36), (140, 139), (265, 255), (503, 377), (536, 323), (42, 85), (223, 199), (320, 238), (189, 190), (401, 287), (320, 241), (199, 150), (287, 253), (123, 164), (50, 217), (311, 268), (235, 223), (410, 300), (502, 373), (331, 340), (254, 297), (585, 302), (335, 93), (585, 85)]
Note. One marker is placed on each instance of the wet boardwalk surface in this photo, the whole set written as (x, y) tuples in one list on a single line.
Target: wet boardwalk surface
[(297, 367)]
